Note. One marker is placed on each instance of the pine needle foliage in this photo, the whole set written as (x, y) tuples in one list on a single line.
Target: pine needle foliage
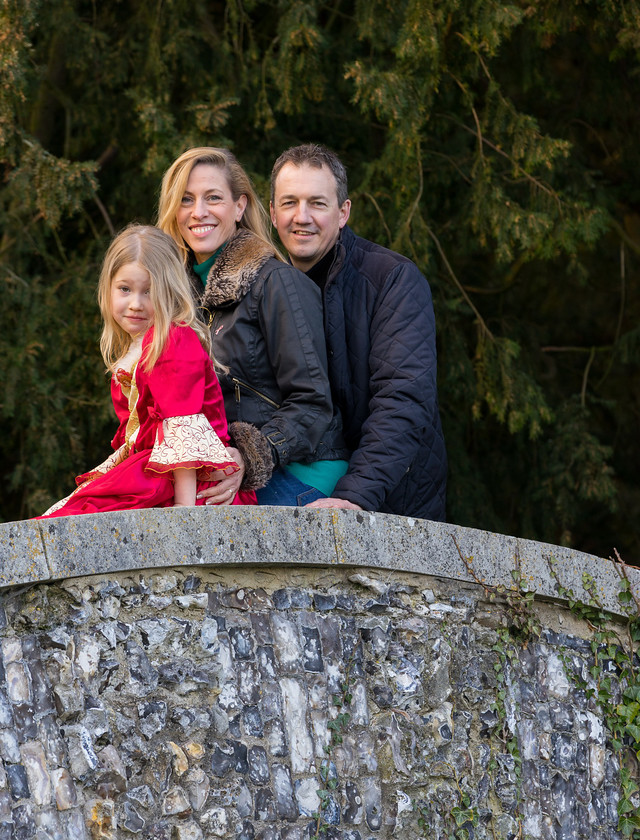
[(494, 143)]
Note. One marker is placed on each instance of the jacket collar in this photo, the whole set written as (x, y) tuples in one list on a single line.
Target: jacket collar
[(235, 270), (343, 246)]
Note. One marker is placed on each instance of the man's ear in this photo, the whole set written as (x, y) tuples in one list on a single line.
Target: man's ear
[(272, 213), (345, 210)]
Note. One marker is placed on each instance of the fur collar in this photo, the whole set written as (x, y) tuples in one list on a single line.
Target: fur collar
[(235, 269)]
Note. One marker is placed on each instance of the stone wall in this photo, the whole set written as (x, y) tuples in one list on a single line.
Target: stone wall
[(278, 674)]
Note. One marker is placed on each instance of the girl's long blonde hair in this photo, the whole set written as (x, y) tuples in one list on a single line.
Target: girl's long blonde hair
[(174, 185), (170, 292)]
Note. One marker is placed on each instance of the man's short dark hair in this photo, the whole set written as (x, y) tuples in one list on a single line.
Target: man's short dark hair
[(316, 155)]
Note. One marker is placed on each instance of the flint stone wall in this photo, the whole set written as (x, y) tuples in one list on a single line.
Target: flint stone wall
[(173, 674)]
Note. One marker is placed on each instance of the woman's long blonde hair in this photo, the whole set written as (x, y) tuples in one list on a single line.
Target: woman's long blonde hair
[(174, 185), (170, 292)]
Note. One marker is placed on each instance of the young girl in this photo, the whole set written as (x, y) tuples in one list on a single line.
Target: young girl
[(173, 429)]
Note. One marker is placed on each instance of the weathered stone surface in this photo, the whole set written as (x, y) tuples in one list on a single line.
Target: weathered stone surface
[(295, 713), (197, 786), (18, 687), (307, 796), (35, 765), (22, 553), (175, 802), (188, 831), (190, 701), (18, 782), (64, 789)]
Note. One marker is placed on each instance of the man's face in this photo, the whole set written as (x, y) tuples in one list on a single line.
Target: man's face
[(306, 213)]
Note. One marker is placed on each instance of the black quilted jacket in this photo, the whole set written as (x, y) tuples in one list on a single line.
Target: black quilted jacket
[(381, 341)]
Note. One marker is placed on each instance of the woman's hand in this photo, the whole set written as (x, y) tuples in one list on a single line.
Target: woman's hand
[(225, 491)]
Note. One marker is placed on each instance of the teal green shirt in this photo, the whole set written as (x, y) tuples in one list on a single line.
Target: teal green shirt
[(323, 475)]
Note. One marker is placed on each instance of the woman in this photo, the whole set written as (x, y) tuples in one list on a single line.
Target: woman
[(266, 329)]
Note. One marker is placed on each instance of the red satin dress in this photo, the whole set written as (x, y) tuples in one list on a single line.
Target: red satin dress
[(171, 416)]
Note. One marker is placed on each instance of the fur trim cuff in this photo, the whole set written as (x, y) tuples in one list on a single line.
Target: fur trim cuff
[(256, 452)]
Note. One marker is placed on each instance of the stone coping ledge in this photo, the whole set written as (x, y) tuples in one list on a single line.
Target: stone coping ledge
[(97, 544)]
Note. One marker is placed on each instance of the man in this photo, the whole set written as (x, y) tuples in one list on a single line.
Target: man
[(380, 332)]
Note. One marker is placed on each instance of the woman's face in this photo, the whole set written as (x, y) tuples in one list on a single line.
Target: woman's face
[(207, 215)]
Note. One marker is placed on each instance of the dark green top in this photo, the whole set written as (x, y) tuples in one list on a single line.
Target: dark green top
[(202, 269)]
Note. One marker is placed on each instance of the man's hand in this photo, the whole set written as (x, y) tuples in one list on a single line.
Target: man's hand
[(224, 492), (334, 503)]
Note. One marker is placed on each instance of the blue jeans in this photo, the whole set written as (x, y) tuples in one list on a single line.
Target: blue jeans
[(285, 489)]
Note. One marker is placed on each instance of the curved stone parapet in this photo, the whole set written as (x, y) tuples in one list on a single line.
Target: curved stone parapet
[(277, 674), (59, 548)]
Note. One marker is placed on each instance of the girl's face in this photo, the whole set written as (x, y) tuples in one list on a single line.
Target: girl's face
[(131, 304), (208, 214)]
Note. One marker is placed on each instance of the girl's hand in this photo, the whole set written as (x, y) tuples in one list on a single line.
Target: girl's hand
[(225, 491)]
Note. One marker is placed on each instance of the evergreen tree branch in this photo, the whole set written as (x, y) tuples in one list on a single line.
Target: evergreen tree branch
[(108, 155), (478, 131), (406, 225), (623, 293), (482, 323), (453, 163), (621, 308), (477, 54), (380, 214), (335, 12), (635, 247), (7, 243), (104, 213), (585, 377), (481, 139), (596, 134), (605, 348), (508, 283), (535, 181)]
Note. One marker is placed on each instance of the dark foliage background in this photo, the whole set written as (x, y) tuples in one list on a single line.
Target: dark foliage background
[(494, 143)]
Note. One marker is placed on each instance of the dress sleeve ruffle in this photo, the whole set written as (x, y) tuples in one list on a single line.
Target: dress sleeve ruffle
[(189, 441)]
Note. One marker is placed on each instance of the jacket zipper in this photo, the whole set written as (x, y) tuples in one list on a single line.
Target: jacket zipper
[(238, 383)]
